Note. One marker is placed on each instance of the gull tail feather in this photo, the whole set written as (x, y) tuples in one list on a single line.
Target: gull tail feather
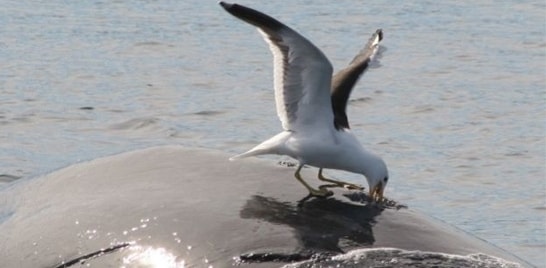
[(253, 152), (274, 145)]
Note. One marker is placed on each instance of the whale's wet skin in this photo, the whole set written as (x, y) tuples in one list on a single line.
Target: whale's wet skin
[(177, 207), (387, 257), (452, 108)]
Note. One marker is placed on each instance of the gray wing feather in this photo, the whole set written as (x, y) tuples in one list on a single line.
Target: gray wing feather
[(302, 74), (344, 81)]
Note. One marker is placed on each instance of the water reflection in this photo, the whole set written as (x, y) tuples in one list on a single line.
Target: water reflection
[(152, 257), (320, 225)]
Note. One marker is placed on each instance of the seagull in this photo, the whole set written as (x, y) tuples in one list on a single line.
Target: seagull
[(311, 106)]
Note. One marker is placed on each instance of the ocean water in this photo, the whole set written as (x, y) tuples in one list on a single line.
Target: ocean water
[(455, 105)]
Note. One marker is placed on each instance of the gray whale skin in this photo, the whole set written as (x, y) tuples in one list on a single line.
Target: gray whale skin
[(173, 206)]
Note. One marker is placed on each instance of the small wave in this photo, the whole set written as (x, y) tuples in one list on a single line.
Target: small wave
[(6, 178), (208, 112), (393, 257), (137, 123), (362, 99), (148, 43), (423, 109)]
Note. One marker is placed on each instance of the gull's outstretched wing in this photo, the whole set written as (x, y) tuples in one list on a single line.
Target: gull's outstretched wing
[(344, 81), (302, 74)]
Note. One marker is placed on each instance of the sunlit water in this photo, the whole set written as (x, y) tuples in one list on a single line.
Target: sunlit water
[(456, 106)]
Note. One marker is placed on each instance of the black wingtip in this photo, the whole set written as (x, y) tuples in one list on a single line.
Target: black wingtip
[(225, 5), (379, 33), (253, 17)]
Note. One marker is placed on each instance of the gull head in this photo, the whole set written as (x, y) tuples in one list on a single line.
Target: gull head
[(377, 176)]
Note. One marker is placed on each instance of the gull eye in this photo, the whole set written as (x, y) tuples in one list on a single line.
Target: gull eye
[(386, 179)]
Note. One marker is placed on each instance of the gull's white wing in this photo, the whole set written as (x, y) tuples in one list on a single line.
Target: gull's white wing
[(302, 74)]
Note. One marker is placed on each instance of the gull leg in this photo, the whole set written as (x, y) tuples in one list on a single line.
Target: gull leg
[(347, 185), (312, 191)]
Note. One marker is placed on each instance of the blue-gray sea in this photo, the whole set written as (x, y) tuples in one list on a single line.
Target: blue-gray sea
[(455, 104)]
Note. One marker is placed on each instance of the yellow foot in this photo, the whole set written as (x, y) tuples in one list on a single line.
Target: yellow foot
[(320, 193)]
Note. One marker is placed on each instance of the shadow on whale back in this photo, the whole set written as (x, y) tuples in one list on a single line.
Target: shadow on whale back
[(177, 207)]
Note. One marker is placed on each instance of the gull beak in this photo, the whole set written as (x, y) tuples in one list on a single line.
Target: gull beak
[(376, 192)]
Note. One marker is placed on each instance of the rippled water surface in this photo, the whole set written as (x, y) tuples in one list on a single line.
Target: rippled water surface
[(456, 105)]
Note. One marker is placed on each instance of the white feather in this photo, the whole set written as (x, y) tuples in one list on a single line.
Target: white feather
[(302, 80)]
